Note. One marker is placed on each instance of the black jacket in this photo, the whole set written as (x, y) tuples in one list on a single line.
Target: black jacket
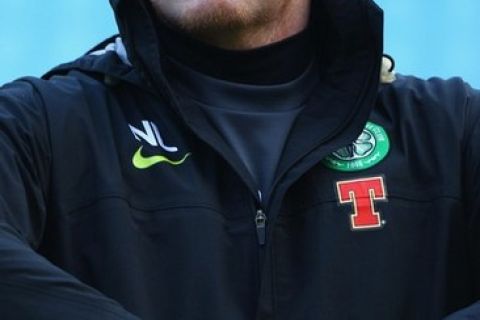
[(120, 201)]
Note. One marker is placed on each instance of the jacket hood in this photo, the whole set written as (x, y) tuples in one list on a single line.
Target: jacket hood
[(349, 33)]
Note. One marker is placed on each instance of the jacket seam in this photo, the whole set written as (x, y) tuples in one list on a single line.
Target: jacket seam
[(274, 278), (46, 188), (468, 135), (72, 212), (316, 204), (48, 131), (92, 306), (456, 198)]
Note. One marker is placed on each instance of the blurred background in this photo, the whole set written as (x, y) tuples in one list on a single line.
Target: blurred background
[(426, 38)]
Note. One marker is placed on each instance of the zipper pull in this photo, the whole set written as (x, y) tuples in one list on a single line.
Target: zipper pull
[(260, 222)]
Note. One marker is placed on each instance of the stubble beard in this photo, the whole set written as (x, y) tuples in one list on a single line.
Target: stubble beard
[(224, 14), (235, 24), (205, 18)]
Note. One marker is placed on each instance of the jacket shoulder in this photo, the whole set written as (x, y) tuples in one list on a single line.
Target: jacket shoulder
[(410, 91), (436, 104)]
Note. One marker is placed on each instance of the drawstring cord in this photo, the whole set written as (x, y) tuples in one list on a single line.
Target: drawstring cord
[(387, 74)]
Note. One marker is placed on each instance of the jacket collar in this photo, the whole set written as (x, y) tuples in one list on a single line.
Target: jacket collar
[(348, 32)]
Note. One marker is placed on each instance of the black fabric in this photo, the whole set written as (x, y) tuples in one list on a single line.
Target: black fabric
[(276, 63), (88, 233), (254, 120)]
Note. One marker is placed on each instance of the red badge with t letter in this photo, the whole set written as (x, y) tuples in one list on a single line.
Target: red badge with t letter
[(362, 194)]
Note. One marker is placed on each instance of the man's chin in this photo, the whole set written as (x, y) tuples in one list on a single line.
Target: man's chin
[(202, 16)]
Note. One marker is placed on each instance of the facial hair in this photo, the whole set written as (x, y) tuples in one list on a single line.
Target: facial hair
[(206, 16)]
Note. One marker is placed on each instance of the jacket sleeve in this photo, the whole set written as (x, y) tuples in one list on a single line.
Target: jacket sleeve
[(30, 286), (471, 192)]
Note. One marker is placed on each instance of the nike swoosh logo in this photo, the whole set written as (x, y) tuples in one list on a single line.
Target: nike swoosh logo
[(141, 162)]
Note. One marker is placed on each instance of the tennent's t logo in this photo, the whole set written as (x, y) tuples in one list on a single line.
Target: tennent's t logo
[(362, 194)]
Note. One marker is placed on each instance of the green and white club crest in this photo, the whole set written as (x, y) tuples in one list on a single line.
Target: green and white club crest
[(367, 150)]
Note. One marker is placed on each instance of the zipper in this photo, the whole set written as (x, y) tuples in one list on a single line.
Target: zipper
[(261, 221), (261, 224)]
